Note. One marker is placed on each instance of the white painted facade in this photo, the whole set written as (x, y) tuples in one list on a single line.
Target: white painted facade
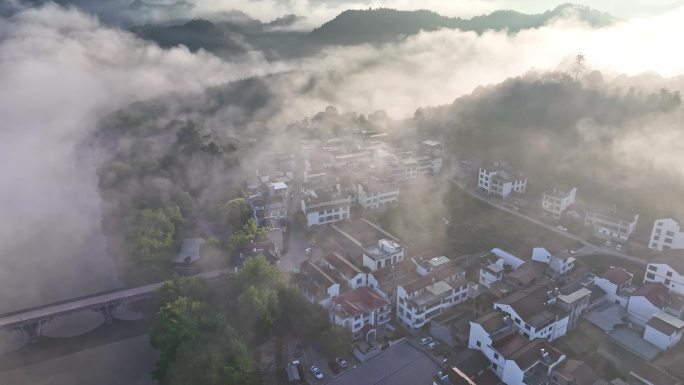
[(479, 339), (550, 331), (322, 213), (491, 273), (664, 273), (666, 234), (661, 338), (556, 200), (371, 199), (608, 225), (561, 265), (387, 252), (501, 181), (418, 308), (640, 310)]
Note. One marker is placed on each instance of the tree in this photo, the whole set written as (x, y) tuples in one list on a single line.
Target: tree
[(249, 233), (152, 238), (578, 65), (236, 212), (335, 341)]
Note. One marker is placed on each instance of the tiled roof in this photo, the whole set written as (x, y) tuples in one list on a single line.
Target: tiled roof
[(529, 354), (577, 372), (317, 274), (436, 276), (653, 374), (617, 275), (510, 344), (491, 322), (527, 273), (655, 292), (359, 301), (342, 265)]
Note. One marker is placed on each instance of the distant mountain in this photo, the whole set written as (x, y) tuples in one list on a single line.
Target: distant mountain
[(386, 25), (195, 34)]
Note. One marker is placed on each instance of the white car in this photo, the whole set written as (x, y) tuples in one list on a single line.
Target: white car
[(618, 247), (432, 345), (608, 243), (562, 228), (425, 340), (342, 362), (316, 372)]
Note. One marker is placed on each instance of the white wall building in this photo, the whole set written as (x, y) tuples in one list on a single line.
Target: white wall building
[(317, 285), (361, 311), (385, 252), (664, 330), (500, 179), (666, 235), (373, 195), (651, 298), (321, 207), (610, 223), (491, 273), (613, 281), (557, 199), (668, 268), (419, 301), (535, 313), (562, 262), (348, 272)]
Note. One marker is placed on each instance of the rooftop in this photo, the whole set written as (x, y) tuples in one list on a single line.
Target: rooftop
[(612, 212), (577, 372), (617, 275), (342, 265), (359, 301), (531, 305), (527, 273), (317, 274), (384, 248), (666, 323), (558, 192), (531, 353), (653, 375), (655, 292), (431, 278)]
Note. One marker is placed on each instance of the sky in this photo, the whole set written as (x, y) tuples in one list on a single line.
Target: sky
[(62, 69)]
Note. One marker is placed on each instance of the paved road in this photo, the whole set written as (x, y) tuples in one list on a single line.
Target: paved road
[(22, 316), (589, 248)]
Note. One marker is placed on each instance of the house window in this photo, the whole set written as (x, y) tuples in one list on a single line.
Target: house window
[(669, 274), (528, 327), (650, 275), (667, 282), (358, 281), (517, 320), (652, 268), (494, 366), (479, 344), (496, 356)]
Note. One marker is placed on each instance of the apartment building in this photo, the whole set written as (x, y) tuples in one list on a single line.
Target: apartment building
[(664, 330), (324, 205), (375, 194), (611, 223), (617, 283), (557, 199), (317, 285), (535, 312), (500, 179), (347, 272), (667, 267), (419, 301), (666, 234), (362, 311)]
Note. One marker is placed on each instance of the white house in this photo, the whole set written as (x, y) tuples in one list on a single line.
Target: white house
[(323, 206), (348, 272), (667, 267), (666, 235), (561, 262), (419, 301), (664, 330), (558, 199), (508, 258), (385, 252), (374, 194), (487, 331), (491, 273), (532, 363), (613, 281), (362, 311), (500, 179), (610, 223), (317, 285), (645, 302), (535, 312)]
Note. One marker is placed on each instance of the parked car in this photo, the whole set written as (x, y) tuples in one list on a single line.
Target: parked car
[(334, 366), (432, 345), (425, 340), (342, 362), (618, 247), (608, 243), (562, 228), (316, 372)]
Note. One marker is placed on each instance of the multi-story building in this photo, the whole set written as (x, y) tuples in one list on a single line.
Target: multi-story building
[(617, 283), (362, 311), (559, 261), (536, 312), (491, 273), (610, 223), (574, 299), (385, 252), (432, 150), (419, 301), (652, 298), (500, 179), (323, 206), (348, 273), (667, 267), (666, 235), (375, 194), (558, 199), (664, 330)]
